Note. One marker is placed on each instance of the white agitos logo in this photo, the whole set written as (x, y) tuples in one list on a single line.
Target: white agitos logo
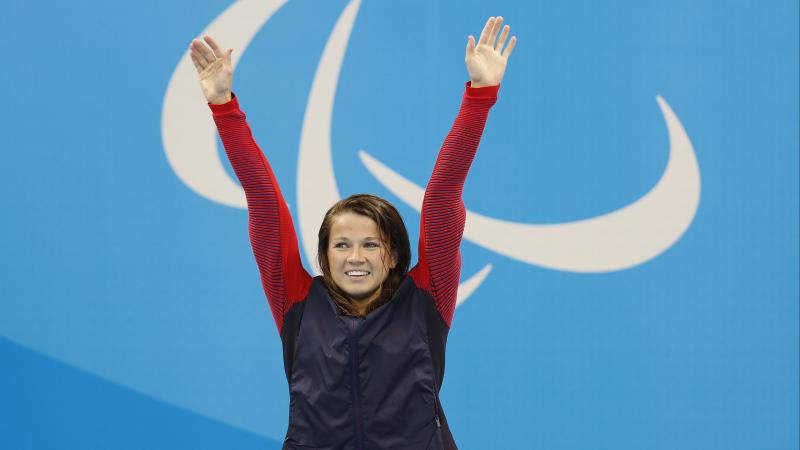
[(617, 240)]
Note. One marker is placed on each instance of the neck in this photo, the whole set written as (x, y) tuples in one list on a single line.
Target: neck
[(361, 304), (361, 307)]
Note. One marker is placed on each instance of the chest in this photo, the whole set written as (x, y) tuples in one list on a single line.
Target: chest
[(392, 338)]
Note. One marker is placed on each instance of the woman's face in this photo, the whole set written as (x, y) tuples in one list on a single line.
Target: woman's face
[(359, 261)]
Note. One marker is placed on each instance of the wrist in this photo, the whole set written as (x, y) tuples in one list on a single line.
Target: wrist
[(220, 99), (477, 85), (480, 84)]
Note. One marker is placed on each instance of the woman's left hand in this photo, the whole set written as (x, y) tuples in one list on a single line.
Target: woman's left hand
[(486, 62)]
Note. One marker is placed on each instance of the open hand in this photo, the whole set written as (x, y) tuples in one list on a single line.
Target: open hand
[(486, 63), (215, 69)]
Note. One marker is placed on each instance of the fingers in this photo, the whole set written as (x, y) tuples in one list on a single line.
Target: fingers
[(498, 22), (489, 36), (218, 52), (502, 39), (202, 56), (490, 32), (197, 63), (501, 42), (203, 53), (510, 48), (487, 29), (470, 45)]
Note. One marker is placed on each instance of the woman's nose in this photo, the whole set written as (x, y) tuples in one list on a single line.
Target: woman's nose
[(355, 256)]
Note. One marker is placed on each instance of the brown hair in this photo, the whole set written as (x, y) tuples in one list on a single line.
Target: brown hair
[(394, 237)]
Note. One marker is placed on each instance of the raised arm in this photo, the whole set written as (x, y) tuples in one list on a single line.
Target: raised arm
[(272, 233), (443, 211)]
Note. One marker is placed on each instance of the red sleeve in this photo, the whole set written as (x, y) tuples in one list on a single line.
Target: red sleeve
[(272, 233), (443, 212)]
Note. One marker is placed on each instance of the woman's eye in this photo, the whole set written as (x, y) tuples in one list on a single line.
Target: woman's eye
[(371, 244), (339, 245)]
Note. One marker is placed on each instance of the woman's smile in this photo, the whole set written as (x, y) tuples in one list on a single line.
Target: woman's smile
[(357, 274)]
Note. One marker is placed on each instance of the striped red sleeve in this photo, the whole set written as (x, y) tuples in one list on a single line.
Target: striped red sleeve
[(443, 211), (272, 233)]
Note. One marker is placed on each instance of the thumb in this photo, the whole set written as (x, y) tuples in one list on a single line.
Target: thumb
[(228, 54), (470, 45)]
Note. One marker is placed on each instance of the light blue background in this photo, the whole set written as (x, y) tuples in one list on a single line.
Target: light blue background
[(131, 312)]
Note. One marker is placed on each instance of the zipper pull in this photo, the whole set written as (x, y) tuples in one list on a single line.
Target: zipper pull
[(438, 425)]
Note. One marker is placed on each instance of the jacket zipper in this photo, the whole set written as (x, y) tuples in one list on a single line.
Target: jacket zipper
[(356, 388), (436, 411)]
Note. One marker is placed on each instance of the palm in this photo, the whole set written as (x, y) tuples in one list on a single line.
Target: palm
[(215, 78), (486, 61)]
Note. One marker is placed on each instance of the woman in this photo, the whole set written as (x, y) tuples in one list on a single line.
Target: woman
[(364, 343)]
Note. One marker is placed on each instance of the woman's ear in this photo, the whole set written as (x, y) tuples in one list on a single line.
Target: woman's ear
[(393, 260)]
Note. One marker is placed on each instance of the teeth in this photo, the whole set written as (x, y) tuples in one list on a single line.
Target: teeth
[(357, 272)]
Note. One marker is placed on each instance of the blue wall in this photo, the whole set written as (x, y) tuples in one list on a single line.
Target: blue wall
[(131, 311)]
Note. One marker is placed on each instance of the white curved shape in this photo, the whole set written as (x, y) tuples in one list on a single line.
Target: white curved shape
[(466, 288), (316, 182), (617, 240), (187, 129)]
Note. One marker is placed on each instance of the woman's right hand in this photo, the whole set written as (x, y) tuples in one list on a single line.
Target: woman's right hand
[(215, 69)]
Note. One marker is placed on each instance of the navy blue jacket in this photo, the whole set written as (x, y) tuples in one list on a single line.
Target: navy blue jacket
[(366, 383)]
